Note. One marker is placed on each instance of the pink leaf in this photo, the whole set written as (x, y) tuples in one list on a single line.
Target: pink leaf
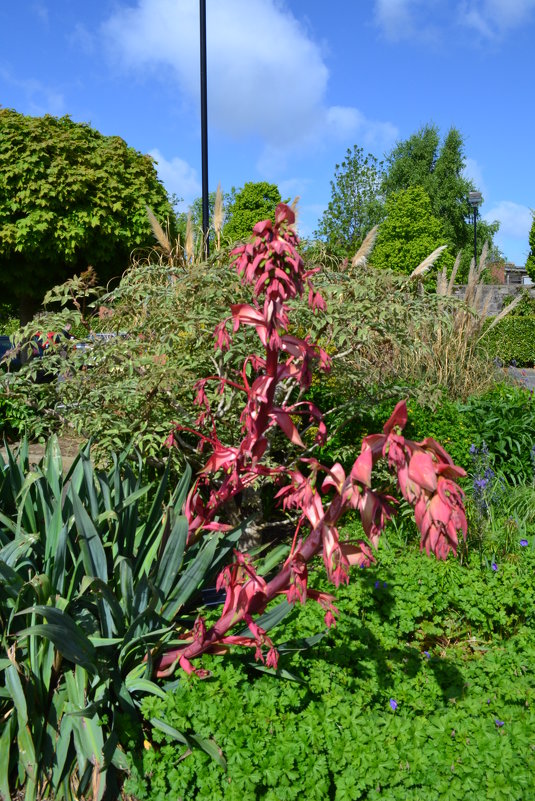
[(285, 422)]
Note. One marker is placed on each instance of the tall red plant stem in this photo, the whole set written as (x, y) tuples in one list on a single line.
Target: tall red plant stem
[(426, 475)]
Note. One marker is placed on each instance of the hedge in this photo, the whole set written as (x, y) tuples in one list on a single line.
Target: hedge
[(512, 340)]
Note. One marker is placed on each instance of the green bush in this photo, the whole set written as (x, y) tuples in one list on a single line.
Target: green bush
[(17, 418), (422, 691), (512, 340), (8, 319)]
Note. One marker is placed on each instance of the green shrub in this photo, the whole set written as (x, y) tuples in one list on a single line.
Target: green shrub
[(15, 417), (9, 321), (512, 340)]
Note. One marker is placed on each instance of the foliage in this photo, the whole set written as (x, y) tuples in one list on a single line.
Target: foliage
[(423, 690), (356, 203), (530, 261), (409, 233), (379, 329), (129, 371), (16, 418), (503, 418), (525, 306), (8, 319), (425, 473), (438, 167), (244, 207), (94, 581), (69, 197), (512, 341)]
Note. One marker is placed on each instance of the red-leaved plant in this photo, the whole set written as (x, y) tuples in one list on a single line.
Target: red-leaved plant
[(425, 472)]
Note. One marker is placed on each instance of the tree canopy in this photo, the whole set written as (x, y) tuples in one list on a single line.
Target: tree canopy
[(356, 203), (70, 197), (438, 166), (362, 184), (409, 233), (246, 206)]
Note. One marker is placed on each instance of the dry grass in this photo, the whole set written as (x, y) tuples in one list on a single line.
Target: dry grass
[(218, 215), (445, 335), (454, 356), (360, 259)]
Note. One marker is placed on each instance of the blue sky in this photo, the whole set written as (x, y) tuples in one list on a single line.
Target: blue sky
[(291, 85)]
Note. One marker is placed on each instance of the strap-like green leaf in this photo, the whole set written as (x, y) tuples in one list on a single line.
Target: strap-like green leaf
[(171, 560), (66, 635), (192, 577)]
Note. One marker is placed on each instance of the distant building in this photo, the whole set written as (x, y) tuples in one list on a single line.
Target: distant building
[(508, 273), (516, 275)]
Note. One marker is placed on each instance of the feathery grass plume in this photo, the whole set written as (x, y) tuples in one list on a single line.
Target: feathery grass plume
[(360, 258), (218, 215), (294, 204), (428, 262), (158, 231), (483, 259), (502, 314), (453, 275), (442, 282), (190, 242)]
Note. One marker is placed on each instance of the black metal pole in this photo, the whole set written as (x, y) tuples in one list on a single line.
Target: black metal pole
[(204, 128), (475, 237)]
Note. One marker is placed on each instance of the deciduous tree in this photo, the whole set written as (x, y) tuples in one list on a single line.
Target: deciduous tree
[(245, 206), (409, 233), (423, 160), (69, 197), (356, 203)]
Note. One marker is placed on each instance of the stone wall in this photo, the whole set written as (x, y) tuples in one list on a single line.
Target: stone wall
[(497, 292)]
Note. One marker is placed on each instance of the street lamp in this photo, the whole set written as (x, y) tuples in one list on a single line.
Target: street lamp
[(204, 127), (475, 200)]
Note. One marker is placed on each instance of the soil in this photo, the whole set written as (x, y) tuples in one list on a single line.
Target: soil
[(68, 446)]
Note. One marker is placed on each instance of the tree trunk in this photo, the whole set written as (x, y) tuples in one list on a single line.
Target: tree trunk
[(28, 306)]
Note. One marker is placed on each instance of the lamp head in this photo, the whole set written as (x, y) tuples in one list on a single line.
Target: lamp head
[(475, 199)]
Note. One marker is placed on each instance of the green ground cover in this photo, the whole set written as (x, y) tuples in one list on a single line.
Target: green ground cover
[(423, 691)]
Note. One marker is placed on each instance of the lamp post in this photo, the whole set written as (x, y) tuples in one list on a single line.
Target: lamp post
[(204, 127), (475, 200)]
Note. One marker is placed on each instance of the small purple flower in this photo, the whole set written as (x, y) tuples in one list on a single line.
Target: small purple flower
[(427, 654), (523, 543), (377, 585), (393, 704), (473, 449), (494, 566), (499, 722), (385, 585)]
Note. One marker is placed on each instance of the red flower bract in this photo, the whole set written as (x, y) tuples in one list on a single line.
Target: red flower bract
[(426, 475)]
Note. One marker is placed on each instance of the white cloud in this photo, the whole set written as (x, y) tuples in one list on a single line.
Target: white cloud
[(515, 224), (266, 76), (38, 99), (178, 177), (473, 172), (429, 19), (492, 18), (394, 17), (407, 19), (515, 219)]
